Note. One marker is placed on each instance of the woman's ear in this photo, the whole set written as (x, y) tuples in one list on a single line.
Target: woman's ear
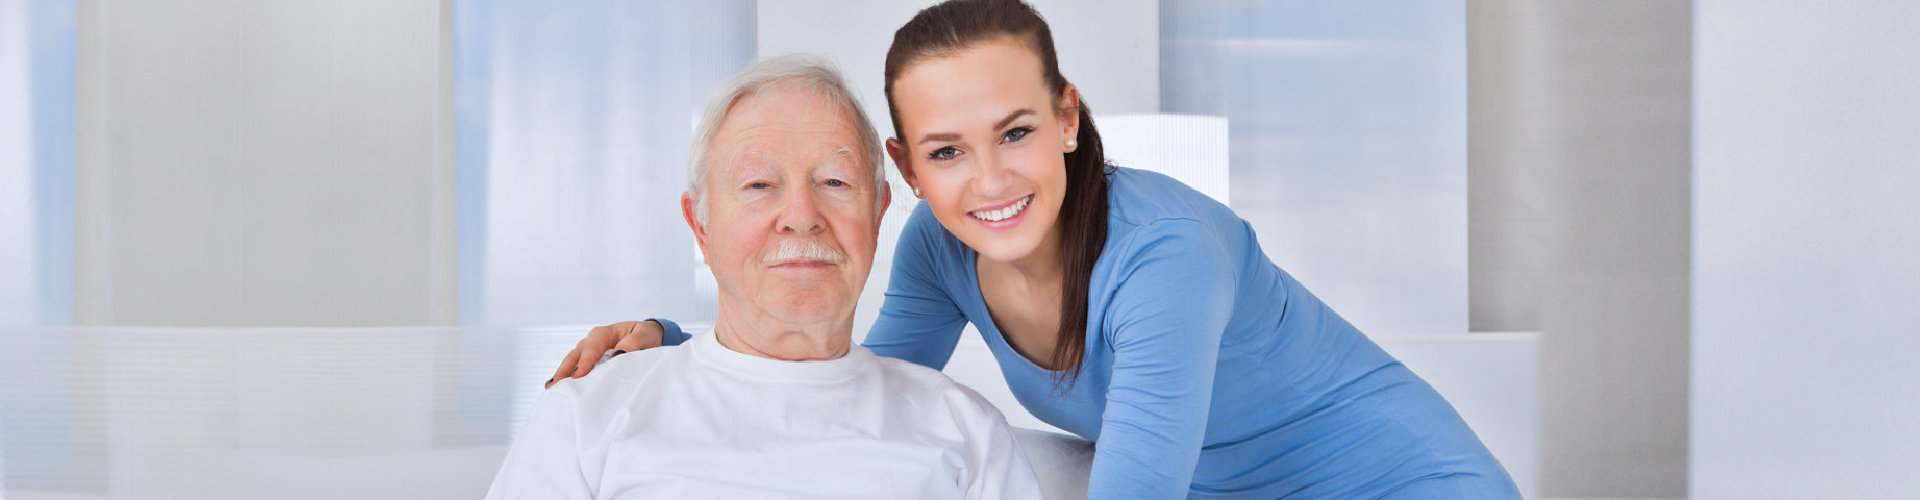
[(898, 151), (1070, 117)]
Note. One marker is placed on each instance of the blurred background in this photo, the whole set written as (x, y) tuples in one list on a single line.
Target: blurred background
[(1649, 248)]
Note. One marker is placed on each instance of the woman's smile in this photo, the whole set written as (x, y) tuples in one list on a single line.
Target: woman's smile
[(1002, 215)]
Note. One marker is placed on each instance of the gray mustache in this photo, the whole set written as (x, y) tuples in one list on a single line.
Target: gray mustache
[(805, 249)]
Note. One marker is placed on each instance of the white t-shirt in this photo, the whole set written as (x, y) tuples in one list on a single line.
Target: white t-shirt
[(703, 421)]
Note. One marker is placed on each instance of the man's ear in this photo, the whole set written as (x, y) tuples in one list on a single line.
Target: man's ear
[(886, 201), (1070, 123), (898, 151), (688, 204)]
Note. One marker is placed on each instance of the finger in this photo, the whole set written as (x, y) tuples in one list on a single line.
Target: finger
[(566, 367), (640, 335), (588, 354), (632, 343)]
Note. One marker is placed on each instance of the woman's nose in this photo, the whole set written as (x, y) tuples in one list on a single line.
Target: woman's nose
[(992, 178)]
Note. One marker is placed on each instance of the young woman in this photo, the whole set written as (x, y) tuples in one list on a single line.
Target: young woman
[(1122, 305)]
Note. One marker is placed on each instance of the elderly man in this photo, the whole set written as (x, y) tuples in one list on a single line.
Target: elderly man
[(785, 198)]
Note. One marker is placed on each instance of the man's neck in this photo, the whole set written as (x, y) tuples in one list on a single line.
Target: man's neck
[(748, 331)]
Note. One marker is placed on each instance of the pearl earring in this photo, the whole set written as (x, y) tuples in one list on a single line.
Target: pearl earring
[(917, 193), (1070, 143)]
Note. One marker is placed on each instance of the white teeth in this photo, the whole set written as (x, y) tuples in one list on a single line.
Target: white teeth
[(1004, 213)]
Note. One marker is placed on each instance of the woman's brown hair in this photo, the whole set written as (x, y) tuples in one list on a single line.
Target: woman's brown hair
[(956, 25)]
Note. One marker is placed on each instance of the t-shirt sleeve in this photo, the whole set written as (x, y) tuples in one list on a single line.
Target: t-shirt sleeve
[(1165, 320), (545, 461), (919, 321), (997, 467)]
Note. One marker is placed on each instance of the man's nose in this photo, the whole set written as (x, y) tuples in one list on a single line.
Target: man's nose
[(801, 214)]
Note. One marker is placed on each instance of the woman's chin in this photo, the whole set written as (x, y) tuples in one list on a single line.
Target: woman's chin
[(1004, 250), (1005, 245)]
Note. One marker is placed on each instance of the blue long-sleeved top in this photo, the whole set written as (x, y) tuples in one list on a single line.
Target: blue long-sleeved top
[(1208, 373)]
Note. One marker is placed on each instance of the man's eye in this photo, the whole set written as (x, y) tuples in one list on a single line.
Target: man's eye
[(946, 153), (759, 185), (1016, 135), (836, 182)]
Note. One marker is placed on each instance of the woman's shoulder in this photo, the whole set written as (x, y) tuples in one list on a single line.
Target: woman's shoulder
[(924, 242), (1142, 197), (1145, 203), (922, 224)]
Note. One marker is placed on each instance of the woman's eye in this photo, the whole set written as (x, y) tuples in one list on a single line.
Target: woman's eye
[(946, 153), (1016, 135)]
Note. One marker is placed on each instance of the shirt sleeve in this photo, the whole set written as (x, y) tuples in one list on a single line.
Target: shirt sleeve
[(670, 332), (544, 461), (919, 321), (999, 468), (1165, 319)]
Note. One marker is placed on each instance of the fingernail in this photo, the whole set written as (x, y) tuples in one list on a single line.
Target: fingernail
[(617, 353), (549, 381)]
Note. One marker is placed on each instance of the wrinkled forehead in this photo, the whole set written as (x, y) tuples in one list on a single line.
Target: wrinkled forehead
[(789, 127), (793, 153)]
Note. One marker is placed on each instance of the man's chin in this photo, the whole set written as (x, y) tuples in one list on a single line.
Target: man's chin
[(809, 306)]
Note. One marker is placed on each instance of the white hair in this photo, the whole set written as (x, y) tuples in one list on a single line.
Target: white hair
[(779, 72)]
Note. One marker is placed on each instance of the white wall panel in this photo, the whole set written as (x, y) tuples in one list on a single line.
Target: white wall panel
[(1580, 144), (1805, 269), (264, 163)]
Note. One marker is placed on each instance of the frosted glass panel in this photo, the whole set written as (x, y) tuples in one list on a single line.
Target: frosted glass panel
[(573, 124), (1191, 149), (295, 413), (1347, 143)]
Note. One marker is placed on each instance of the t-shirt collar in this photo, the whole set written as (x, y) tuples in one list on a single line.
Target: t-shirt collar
[(708, 351)]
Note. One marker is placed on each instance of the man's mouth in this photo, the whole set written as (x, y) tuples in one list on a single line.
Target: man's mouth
[(1005, 212), (804, 263)]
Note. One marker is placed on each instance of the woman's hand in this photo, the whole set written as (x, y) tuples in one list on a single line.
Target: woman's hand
[(627, 336)]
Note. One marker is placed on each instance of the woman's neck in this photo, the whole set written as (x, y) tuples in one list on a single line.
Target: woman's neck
[(1043, 266)]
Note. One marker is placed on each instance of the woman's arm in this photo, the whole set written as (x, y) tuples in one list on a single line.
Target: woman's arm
[(1165, 319), (919, 322)]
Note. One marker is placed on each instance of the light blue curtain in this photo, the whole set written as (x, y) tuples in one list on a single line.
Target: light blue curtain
[(36, 161), (37, 61)]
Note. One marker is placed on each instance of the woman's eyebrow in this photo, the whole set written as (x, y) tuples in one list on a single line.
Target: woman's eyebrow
[(941, 136), (1011, 117), (950, 136)]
